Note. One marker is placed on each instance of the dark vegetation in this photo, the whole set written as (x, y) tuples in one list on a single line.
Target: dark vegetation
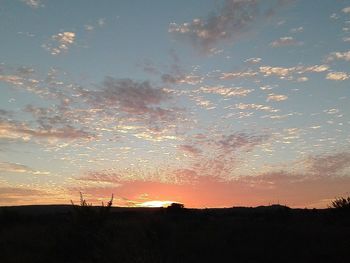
[(341, 204), (85, 233)]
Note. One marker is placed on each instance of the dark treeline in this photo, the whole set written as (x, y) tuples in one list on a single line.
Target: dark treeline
[(108, 234)]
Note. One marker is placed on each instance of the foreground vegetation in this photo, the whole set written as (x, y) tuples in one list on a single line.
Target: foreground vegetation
[(108, 234)]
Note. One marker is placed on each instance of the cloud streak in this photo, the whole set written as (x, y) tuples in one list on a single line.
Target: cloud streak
[(6, 167), (285, 41)]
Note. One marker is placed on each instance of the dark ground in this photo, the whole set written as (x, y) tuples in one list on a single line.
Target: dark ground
[(91, 234)]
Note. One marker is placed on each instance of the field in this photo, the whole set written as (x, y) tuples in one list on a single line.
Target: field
[(95, 234)]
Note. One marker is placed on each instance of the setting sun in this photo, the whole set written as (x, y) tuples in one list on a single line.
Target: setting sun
[(156, 204)]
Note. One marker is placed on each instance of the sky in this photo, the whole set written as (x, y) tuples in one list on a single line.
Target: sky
[(211, 103)]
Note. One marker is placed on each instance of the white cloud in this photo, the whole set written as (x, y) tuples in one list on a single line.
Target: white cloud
[(101, 22), (283, 72), (244, 106), (346, 10), (278, 71), (285, 41), (89, 27), (33, 3), (276, 97), (226, 91), (6, 167), (302, 79), (315, 68), (253, 60), (334, 16), (60, 42), (297, 29), (239, 74), (337, 76), (339, 56)]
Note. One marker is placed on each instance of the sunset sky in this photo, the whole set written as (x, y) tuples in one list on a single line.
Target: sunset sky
[(211, 103)]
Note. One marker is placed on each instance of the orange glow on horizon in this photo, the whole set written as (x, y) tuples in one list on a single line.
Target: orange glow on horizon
[(156, 203)]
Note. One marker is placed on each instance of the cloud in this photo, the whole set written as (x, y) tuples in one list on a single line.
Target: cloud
[(297, 30), (12, 79), (346, 10), (89, 27), (334, 16), (17, 195), (234, 18), (226, 91), (315, 68), (278, 71), (244, 106), (190, 149), (14, 168), (339, 56), (135, 103), (119, 177), (329, 165), (102, 177), (76, 112), (60, 42), (239, 74), (101, 22), (240, 141), (33, 3), (6, 167), (5, 113), (202, 102), (137, 98), (285, 41), (302, 79), (182, 79), (288, 73), (337, 76), (223, 153), (276, 97), (21, 131), (253, 60)]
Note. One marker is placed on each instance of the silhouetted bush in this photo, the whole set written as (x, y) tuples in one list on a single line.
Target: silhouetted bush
[(86, 212), (341, 203)]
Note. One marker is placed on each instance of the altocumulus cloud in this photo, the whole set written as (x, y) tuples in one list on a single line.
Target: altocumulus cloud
[(33, 3), (131, 97), (337, 76), (285, 41), (339, 56), (6, 167), (21, 131), (60, 42), (233, 19)]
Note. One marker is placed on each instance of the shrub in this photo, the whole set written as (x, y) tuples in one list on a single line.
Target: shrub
[(342, 203), (86, 212)]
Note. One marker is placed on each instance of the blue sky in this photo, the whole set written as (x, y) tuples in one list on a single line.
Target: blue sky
[(209, 103)]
